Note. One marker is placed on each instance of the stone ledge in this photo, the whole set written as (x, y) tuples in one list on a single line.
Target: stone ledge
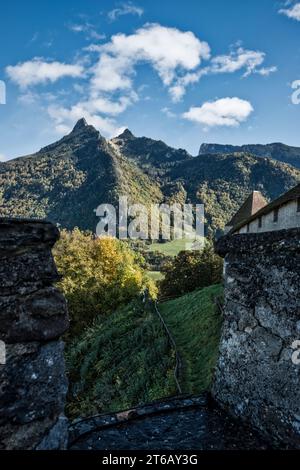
[(265, 242), (87, 425), (17, 235)]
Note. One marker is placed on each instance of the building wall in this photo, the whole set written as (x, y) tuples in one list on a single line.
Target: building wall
[(257, 378), (288, 217)]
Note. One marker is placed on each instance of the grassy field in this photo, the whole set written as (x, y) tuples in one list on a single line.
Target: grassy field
[(155, 275), (171, 248), (195, 324)]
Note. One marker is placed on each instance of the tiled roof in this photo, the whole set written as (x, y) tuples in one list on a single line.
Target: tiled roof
[(253, 204)]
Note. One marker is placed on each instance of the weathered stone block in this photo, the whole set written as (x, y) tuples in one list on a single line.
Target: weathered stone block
[(26, 272), (40, 316), (32, 392)]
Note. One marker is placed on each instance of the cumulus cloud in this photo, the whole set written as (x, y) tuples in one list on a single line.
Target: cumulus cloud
[(168, 50), (3, 158), (292, 12), (125, 9), (38, 71), (229, 112)]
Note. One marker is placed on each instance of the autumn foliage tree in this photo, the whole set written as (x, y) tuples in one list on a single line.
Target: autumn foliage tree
[(98, 275)]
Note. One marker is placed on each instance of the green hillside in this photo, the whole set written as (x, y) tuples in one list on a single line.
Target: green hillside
[(121, 361), (195, 323), (126, 359)]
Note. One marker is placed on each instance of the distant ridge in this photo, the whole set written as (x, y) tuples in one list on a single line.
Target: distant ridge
[(277, 151)]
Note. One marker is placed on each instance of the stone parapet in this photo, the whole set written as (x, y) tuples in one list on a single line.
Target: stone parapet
[(257, 378), (33, 316)]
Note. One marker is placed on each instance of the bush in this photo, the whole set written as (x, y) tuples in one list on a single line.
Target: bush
[(192, 270), (98, 275)]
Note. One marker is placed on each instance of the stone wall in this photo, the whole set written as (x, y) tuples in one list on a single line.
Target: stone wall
[(33, 316), (256, 378)]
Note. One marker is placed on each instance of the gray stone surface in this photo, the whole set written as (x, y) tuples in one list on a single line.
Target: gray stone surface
[(256, 379), (33, 315), (186, 424), (57, 437), (41, 315)]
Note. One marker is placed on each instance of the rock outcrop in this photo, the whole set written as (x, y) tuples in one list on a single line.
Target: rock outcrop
[(33, 316), (257, 378)]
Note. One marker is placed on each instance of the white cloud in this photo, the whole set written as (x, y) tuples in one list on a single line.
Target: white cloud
[(112, 73), (88, 29), (223, 112), (178, 90), (168, 50), (3, 158), (292, 12), (168, 112), (237, 60), (38, 71), (125, 9), (266, 71)]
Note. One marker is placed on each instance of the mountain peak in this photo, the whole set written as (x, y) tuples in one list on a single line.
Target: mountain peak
[(82, 127), (81, 124), (126, 135)]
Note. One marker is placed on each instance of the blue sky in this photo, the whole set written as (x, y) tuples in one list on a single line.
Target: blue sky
[(185, 72)]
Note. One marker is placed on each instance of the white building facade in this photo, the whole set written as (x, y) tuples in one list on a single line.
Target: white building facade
[(281, 214)]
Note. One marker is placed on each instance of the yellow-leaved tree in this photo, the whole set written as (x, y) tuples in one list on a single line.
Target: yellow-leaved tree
[(98, 275)]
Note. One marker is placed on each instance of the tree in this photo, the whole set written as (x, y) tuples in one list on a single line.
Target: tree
[(98, 275), (192, 270)]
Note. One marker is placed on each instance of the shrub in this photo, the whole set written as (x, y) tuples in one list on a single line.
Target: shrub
[(192, 270)]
